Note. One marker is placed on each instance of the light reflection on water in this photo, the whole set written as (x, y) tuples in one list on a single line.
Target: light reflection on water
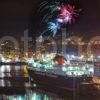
[(36, 95), (12, 71), (30, 96), (12, 76), (33, 95)]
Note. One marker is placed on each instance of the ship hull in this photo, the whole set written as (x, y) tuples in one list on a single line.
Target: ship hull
[(57, 81)]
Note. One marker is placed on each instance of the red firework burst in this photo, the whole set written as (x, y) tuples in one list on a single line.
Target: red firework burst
[(68, 13)]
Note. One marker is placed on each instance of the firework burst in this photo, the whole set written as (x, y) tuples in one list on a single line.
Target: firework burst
[(52, 27), (51, 8), (64, 13), (67, 14)]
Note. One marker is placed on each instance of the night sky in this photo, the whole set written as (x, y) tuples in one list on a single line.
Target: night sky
[(18, 15)]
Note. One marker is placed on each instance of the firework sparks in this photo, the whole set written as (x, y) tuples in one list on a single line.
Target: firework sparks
[(52, 28), (60, 13), (51, 8), (67, 13)]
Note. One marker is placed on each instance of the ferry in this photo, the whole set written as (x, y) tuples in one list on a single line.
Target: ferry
[(58, 74)]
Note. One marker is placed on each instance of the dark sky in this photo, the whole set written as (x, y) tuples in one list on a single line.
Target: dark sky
[(18, 15)]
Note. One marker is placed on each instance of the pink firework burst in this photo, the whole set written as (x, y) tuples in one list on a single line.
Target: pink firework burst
[(67, 14)]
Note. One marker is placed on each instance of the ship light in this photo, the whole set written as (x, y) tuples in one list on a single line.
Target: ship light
[(64, 69), (34, 85), (91, 70), (2, 69), (30, 60), (68, 61)]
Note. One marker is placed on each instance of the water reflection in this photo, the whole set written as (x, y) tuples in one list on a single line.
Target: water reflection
[(37, 95), (13, 84), (33, 95), (13, 71), (13, 80), (13, 75)]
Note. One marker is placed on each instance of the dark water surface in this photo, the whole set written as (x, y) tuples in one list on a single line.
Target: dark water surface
[(14, 85)]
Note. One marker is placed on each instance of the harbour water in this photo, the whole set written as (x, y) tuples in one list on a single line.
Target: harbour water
[(15, 85)]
